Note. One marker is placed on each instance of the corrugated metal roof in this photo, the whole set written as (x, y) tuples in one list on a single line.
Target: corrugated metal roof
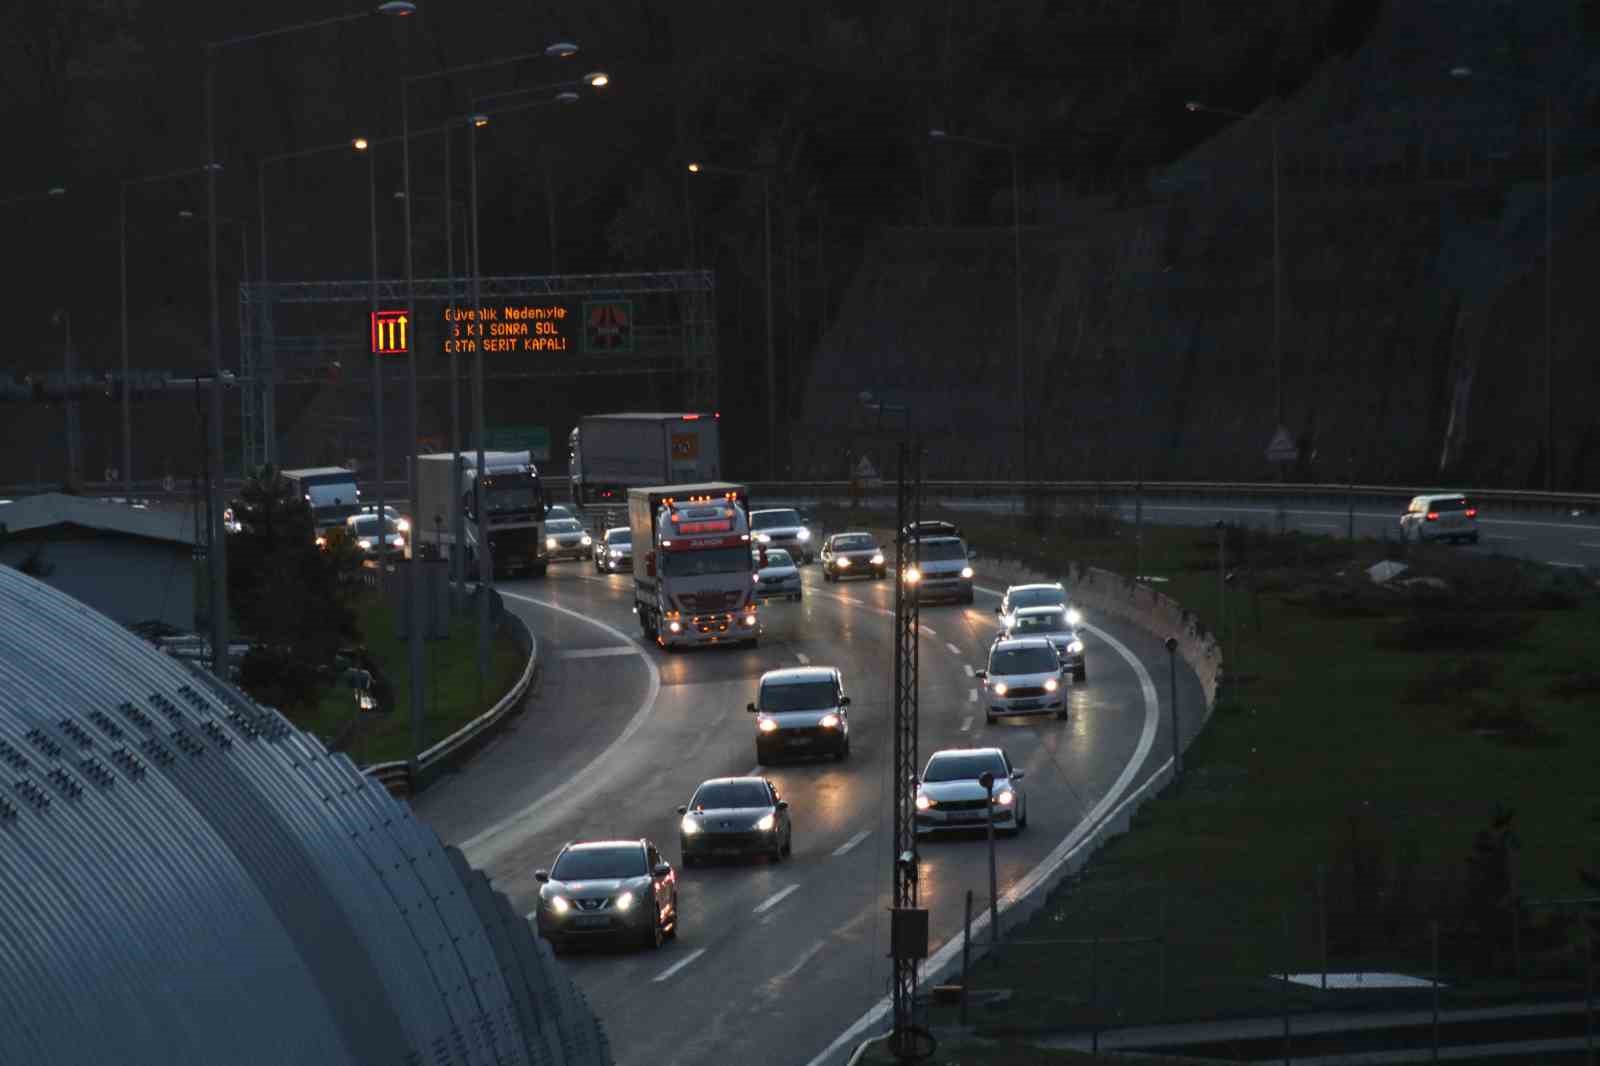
[(185, 877), (54, 509)]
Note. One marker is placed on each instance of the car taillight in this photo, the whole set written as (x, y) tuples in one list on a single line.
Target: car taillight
[(1433, 516), (1472, 512)]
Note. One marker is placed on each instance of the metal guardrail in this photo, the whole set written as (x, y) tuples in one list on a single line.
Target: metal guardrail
[(400, 778)]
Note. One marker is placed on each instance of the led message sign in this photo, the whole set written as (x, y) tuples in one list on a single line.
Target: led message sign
[(507, 328)]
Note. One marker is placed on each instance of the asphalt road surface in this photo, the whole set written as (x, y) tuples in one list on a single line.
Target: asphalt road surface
[(774, 962)]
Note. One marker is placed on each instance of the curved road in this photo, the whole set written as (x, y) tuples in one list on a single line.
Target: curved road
[(774, 961)]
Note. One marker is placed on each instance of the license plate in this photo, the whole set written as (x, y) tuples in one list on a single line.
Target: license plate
[(976, 816), (799, 742), (727, 851), (1025, 705), (593, 921)]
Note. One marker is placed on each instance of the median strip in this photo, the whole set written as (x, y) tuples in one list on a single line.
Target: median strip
[(773, 900), (680, 964)]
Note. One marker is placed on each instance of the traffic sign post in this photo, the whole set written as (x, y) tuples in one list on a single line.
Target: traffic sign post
[(1282, 449)]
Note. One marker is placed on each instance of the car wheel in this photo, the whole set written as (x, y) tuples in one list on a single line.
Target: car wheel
[(1022, 822), (788, 844), (653, 936), (844, 750)]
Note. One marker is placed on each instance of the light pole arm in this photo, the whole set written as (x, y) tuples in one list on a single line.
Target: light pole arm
[(317, 24)]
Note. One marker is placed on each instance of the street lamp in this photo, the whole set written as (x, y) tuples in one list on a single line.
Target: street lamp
[(217, 556), (772, 361), (1462, 72), (122, 272), (1277, 255), (942, 136)]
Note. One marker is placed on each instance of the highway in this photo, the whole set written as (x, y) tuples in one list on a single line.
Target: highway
[(774, 962)]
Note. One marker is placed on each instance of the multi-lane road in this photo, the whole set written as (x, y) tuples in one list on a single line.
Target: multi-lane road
[(774, 962)]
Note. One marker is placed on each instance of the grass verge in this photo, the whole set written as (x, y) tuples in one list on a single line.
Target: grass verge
[(1343, 798), (454, 694)]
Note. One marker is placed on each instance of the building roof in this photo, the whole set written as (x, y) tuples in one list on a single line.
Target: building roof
[(50, 509), (186, 877)]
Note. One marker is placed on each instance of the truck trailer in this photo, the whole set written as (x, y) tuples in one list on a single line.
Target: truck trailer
[(692, 564), (331, 493), (513, 503), (610, 454)]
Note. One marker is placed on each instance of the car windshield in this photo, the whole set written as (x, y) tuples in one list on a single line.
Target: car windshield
[(769, 519), (964, 767), (1052, 622), (510, 498), (1006, 661), (798, 696), (706, 561), (778, 557), (1457, 503), (619, 536), (724, 795), (563, 525), (594, 864), (859, 542), (1036, 598), (942, 550)]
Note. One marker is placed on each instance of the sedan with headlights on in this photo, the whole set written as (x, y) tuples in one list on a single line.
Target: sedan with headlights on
[(801, 710), (776, 576), (565, 538), (613, 551), (852, 555), (732, 816), (608, 890), (1055, 624), (1037, 594), (1025, 675), (950, 792)]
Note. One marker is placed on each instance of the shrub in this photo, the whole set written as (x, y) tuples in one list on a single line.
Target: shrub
[(1449, 682), (1452, 630), (1578, 684)]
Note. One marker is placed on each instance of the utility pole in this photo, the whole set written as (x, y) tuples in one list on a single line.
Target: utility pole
[(909, 932)]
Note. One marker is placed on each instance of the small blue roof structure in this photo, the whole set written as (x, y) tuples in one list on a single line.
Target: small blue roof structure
[(186, 877)]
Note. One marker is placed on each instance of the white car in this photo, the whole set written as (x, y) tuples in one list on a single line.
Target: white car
[(950, 793), (565, 538), (1447, 516), (363, 530), (776, 576), (782, 527), (1038, 594), (1025, 675), (801, 710)]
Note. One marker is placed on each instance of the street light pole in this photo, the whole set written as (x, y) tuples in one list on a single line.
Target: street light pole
[(377, 362), (772, 359), (485, 570), (122, 288)]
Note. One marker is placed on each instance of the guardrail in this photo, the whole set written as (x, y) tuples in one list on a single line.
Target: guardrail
[(402, 779)]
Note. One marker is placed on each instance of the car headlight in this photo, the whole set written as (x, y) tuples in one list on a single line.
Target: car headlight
[(1000, 688), (764, 538), (1051, 684), (1075, 647), (587, 540), (877, 560), (767, 822), (403, 526), (1073, 616), (913, 575), (366, 543), (756, 577), (966, 572), (923, 802), (624, 901), (322, 542), (804, 534), (550, 543), (1006, 798), (767, 725), (689, 825), (616, 553), (829, 721), (675, 627), (749, 619), (559, 905), (843, 563)]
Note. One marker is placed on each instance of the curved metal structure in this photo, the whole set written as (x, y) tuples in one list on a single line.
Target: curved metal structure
[(186, 877)]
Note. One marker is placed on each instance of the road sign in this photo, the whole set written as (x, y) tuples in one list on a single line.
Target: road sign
[(389, 333), (608, 326), (1282, 448), (532, 439)]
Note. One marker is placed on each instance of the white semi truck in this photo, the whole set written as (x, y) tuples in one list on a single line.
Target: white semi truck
[(608, 455), (512, 525), (692, 564)]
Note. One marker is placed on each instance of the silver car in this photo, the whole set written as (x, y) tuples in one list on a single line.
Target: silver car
[(943, 569), (1055, 624), (613, 552), (852, 555), (1024, 676), (782, 527), (608, 890), (565, 538), (732, 816), (801, 710), (1449, 516), (776, 576), (950, 793), (1037, 594)]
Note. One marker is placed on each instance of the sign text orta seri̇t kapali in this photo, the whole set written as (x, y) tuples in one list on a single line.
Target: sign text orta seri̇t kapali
[(506, 328)]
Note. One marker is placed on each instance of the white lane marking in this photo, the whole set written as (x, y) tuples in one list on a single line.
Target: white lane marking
[(972, 695), (680, 964), (953, 649), (1587, 544), (590, 773), (805, 957), (927, 632), (1496, 536), (1569, 566), (968, 668), (966, 724), (776, 898), (600, 653), (852, 842), (805, 660), (1318, 525), (1390, 515), (1059, 855)]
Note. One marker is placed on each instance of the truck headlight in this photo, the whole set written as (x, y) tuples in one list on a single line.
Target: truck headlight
[(616, 553), (675, 627), (550, 543), (966, 573)]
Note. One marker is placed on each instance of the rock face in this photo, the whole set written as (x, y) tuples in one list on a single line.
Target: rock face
[(1408, 300)]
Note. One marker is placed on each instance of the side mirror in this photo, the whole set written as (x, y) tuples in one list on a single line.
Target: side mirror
[(662, 869), (981, 675), (844, 701), (542, 876), (1018, 774), (650, 564), (783, 805), (683, 808), (750, 707)]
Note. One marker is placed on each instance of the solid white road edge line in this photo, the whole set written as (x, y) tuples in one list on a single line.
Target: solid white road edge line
[(589, 773), (600, 653), (776, 898), (1392, 515), (1051, 862), (852, 842), (680, 964)]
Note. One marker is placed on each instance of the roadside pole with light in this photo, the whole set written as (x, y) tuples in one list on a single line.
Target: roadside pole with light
[(217, 555), (986, 779), (938, 135), (772, 358)]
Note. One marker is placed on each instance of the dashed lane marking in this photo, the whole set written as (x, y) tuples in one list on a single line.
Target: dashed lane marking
[(776, 898), (968, 668), (972, 695), (927, 632), (953, 649), (966, 724), (805, 660), (852, 842), (805, 957), (680, 964)]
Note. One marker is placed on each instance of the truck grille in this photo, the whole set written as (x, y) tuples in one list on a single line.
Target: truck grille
[(708, 602)]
